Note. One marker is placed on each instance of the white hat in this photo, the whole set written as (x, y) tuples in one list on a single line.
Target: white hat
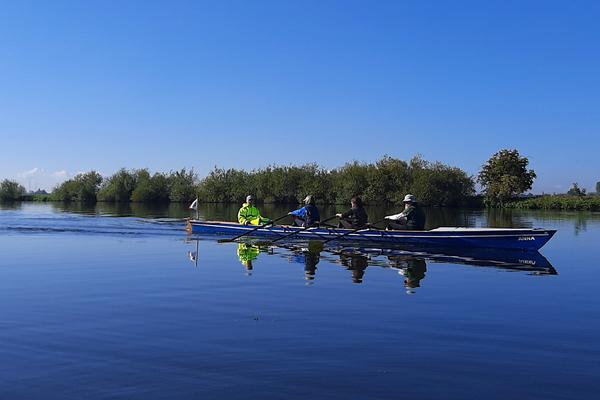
[(249, 197), (409, 198), (308, 199)]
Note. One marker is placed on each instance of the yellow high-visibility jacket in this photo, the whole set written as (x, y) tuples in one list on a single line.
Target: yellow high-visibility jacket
[(250, 215)]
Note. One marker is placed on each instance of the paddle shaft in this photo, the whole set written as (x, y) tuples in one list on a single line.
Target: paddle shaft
[(300, 230), (367, 226), (253, 230)]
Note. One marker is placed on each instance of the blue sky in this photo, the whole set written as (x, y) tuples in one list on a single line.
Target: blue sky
[(165, 85)]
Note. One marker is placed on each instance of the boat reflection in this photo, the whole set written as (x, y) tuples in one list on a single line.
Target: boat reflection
[(409, 263)]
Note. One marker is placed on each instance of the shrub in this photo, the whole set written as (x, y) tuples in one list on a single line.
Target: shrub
[(82, 188), (11, 190)]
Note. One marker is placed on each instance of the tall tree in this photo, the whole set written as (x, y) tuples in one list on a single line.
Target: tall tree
[(504, 176)]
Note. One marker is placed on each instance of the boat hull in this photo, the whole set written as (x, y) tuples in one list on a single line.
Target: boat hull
[(516, 239)]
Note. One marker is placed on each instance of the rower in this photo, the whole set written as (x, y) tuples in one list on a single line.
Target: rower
[(412, 218), (356, 217), (249, 214), (308, 215)]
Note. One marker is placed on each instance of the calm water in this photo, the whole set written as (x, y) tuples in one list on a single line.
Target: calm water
[(119, 303)]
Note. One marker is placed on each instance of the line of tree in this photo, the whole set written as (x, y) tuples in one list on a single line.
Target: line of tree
[(128, 186), (504, 176), (383, 182)]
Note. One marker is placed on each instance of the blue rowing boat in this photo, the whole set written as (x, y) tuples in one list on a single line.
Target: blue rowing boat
[(497, 238)]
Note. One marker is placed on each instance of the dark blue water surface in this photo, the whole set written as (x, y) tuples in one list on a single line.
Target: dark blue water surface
[(119, 303)]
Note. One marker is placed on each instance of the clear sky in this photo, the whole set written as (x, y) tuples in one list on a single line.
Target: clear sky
[(164, 85)]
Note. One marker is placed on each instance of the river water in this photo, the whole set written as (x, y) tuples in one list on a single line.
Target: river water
[(119, 302)]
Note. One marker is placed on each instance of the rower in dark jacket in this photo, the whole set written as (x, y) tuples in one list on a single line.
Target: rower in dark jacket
[(356, 217), (307, 215)]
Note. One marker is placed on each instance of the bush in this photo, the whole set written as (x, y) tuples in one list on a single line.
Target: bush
[(385, 182), (558, 202), (150, 189), (82, 188), (11, 190), (119, 187), (182, 185)]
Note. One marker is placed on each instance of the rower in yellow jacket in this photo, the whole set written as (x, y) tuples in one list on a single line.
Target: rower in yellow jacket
[(249, 214)]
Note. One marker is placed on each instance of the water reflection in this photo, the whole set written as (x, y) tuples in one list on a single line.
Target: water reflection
[(309, 258), (436, 217), (248, 252), (506, 218), (412, 268), (11, 205), (356, 263), (410, 265)]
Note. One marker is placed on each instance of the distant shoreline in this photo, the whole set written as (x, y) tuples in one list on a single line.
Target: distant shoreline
[(589, 202)]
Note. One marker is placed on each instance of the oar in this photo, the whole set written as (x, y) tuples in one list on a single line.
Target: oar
[(298, 231), (252, 230), (366, 226)]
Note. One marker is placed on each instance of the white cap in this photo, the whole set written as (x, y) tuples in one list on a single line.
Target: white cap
[(249, 197), (409, 198)]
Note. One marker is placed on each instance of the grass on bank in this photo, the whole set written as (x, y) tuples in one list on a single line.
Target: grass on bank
[(558, 202)]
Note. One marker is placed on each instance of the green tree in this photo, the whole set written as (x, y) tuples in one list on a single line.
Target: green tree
[(575, 190), (119, 187), (504, 176), (350, 180), (150, 189), (439, 184), (388, 181), (11, 190), (82, 188), (182, 185)]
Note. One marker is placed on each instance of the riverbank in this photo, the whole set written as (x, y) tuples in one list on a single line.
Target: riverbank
[(557, 202)]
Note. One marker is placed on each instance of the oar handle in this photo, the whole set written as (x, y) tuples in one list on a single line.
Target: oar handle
[(253, 230), (300, 230), (366, 226)]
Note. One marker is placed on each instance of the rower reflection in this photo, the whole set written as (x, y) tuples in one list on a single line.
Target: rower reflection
[(309, 257), (412, 268), (357, 263), (247, 253), (410, 264)]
